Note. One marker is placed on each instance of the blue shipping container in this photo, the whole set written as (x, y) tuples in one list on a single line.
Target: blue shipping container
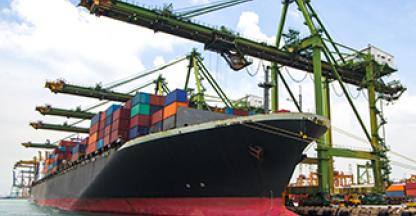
[(138, 131), (112, 109), (156, 127), (108, 120), (178, 95), (140, 97), (133, 133), (79, 148), (228, 111), (394, 193), (100, 144), (95, 119), (62, 148)]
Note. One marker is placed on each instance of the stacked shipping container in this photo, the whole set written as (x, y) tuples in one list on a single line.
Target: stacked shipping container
[(120, 125), (143, 114), (173, 100), (139, 115), (94, 130), (79, 149), (396, 190), (108, 125), (411, 189)]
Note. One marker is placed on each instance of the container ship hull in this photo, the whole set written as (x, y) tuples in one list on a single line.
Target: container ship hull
[(236, 166)]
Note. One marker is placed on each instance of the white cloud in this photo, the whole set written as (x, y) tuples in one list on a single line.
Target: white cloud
[(158, 61), (50, 39), (248, 26)]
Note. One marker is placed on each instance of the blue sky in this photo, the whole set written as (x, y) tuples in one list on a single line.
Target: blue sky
[(49, 39)]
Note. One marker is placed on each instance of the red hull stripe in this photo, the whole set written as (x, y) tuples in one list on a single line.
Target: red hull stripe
[(175, 206)]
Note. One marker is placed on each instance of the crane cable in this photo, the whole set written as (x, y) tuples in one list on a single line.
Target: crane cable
[(402, 165), (293, 79), (123, 82), (257, 71), (354, 97), (402, 156), (335, 91)]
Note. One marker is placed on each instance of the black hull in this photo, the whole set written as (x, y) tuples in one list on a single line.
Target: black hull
[(228, 159)]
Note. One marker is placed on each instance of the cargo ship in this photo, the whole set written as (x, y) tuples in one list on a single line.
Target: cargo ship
[(197, 162)]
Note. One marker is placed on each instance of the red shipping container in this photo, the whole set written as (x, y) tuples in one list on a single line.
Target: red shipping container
[(67, 143), (107, 130), (157, 100), (100, 134), (240, 112), (95, 128), (121, 113), (120, 124), (84, 141), (127, 105), (157, 117), (75, 157), (411, 192), (101, 125), (410, 185), (140, 120), (67, 156), (103, 116), (123, 134), (106, 140)]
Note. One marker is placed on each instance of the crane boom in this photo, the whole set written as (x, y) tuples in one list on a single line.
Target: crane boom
[(39, 145), (222, 40), (48, 110), (64, 128), (60, 86)]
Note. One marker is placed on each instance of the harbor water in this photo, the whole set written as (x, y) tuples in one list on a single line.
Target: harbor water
[(26, 208)]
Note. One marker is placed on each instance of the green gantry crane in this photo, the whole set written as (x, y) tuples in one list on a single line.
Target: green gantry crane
[(314, 54)]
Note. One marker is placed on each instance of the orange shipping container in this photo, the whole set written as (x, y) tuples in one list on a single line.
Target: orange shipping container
[(93, 138), (396, 187), (172, 108)]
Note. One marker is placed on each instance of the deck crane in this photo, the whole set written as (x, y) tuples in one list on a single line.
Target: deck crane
[(195, 65), (77, 113), (24, 172), (105, 93), (64, 127), (60, 86), (313, 54), (46, 145)]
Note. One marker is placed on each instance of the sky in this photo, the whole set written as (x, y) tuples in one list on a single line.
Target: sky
[(53, 39)]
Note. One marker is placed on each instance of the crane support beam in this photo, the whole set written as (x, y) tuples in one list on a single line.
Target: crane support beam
[(93, 92), (79, 114), (39, 145), (349, 153), (310, 161), (220, 40), (64, 128)]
